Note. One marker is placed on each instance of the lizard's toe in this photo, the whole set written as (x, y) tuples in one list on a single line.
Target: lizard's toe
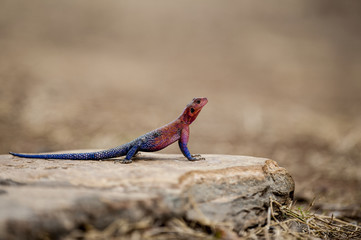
[(126, 161), (197, 157)]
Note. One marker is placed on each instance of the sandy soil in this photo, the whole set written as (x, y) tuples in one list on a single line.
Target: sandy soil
[(282, 82)]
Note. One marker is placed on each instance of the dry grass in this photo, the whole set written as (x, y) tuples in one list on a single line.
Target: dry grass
[(289, 222), (147, 229), (283, 222)]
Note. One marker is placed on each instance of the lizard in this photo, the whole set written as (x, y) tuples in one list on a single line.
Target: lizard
[(177, 130)]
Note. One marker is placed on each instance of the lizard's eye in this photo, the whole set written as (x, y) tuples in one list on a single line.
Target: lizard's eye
[(198, 101), (192, 110)]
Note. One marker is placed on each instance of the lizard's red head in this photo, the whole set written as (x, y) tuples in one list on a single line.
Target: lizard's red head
[(193, 109)]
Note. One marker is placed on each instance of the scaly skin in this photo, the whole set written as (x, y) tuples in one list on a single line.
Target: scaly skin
[(178, 130)]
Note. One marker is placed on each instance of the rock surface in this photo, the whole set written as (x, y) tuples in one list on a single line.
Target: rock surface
[(55, 196)]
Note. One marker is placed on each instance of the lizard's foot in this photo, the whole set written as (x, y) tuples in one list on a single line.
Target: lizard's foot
[(122, 161), (126, 161), (196, 157)]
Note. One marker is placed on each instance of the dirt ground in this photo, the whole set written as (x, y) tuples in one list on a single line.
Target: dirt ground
[(283, 79)]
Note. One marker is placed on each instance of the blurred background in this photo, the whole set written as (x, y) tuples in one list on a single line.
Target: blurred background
[(283, 79)]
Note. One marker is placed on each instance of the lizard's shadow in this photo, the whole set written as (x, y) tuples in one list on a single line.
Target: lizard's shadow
[(158, 157)]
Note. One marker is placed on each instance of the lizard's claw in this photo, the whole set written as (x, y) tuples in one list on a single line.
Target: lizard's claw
[(126, 161), (123, 161), (197, 157)]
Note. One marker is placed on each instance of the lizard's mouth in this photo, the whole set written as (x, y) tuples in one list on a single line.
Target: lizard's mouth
[(205, 101)]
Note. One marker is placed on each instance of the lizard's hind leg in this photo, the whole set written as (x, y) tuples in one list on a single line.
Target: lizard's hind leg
[(130, 154)]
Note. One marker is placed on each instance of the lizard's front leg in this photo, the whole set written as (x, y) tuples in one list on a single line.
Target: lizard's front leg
[(183, 141)]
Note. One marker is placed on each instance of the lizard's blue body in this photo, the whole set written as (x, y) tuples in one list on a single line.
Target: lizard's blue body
[(178, 130)]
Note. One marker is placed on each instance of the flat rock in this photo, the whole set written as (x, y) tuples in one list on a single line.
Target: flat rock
[(40, 196)]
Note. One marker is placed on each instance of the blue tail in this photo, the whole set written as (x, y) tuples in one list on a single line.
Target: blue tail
[(110, 153)]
